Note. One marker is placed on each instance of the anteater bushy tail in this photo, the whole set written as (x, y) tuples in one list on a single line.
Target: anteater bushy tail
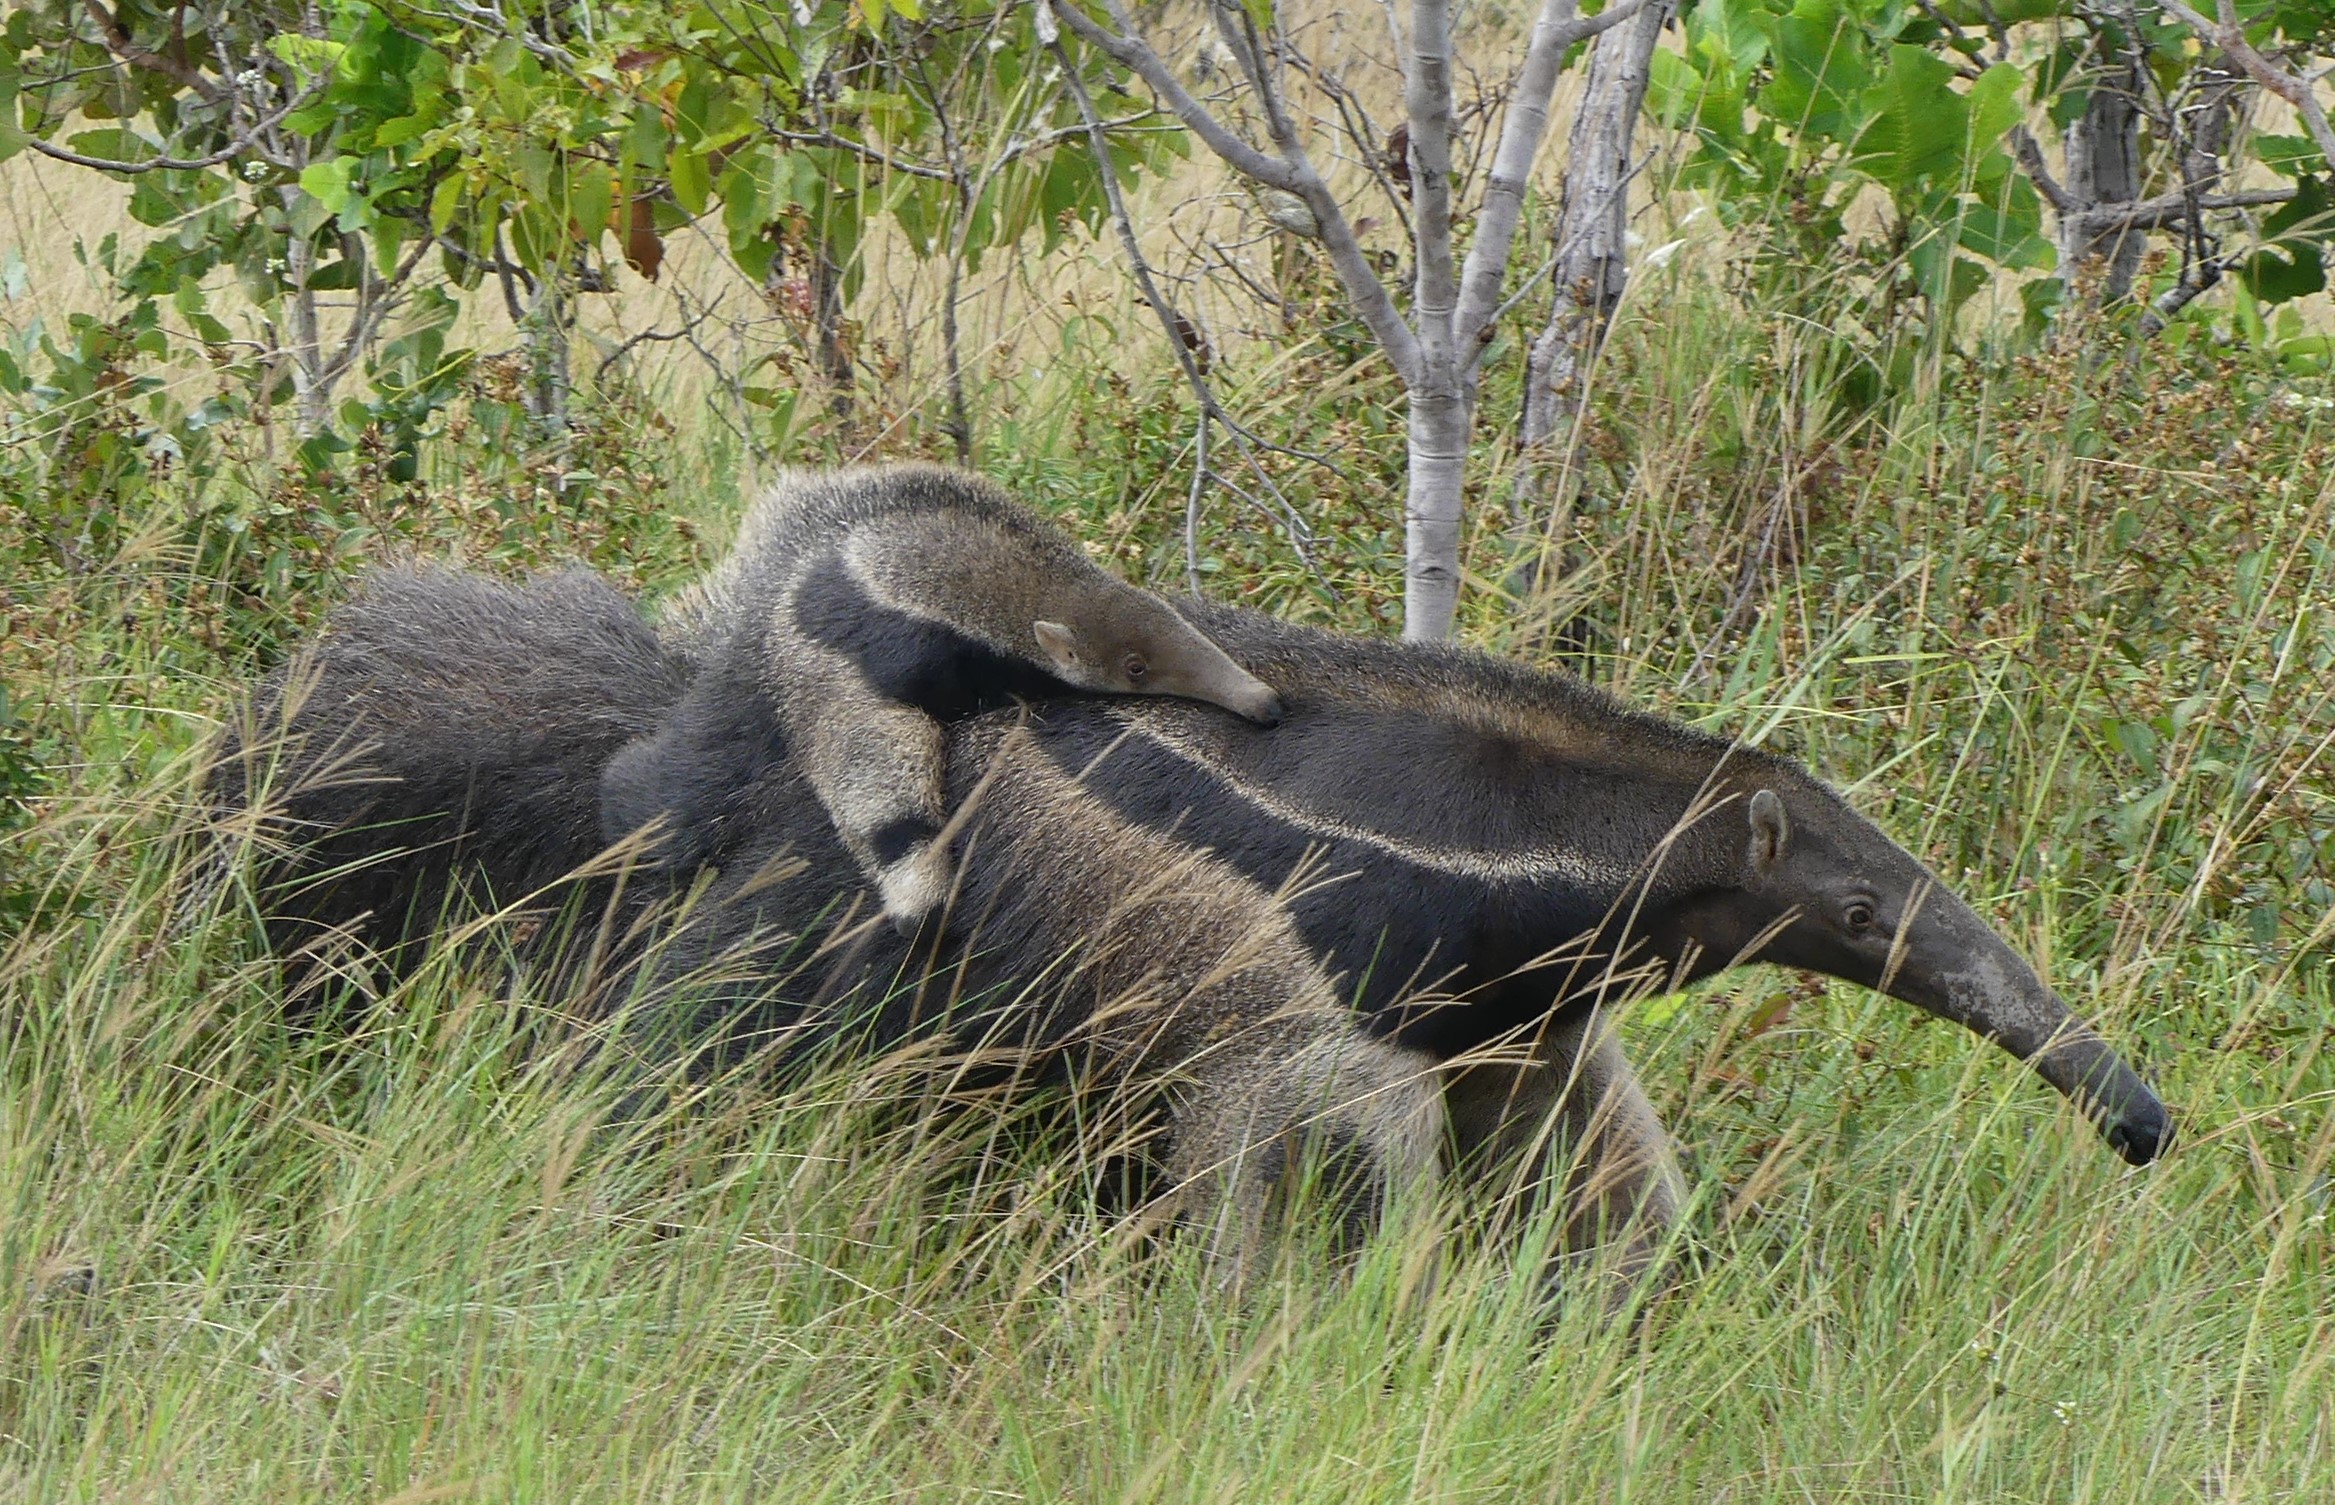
[(442, 738)]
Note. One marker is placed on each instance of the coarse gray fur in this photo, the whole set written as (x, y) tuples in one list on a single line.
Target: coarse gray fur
[(860, 610), (442, 738), (1394, 928)]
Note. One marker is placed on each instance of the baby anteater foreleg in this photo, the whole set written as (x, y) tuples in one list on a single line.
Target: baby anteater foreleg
[(878, 770)]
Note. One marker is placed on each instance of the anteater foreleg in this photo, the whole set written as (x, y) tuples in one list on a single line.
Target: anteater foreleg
[(1569, 1120)]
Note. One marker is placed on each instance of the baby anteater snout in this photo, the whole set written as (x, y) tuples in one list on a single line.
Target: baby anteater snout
[(1265, 708)]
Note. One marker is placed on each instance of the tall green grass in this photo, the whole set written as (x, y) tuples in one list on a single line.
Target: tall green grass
[(2063, 626)]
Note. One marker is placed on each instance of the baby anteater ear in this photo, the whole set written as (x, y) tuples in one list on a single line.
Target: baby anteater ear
[(1771, 831), (1060, 647)]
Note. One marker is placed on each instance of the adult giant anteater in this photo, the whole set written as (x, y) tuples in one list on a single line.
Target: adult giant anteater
[(1388, 927)]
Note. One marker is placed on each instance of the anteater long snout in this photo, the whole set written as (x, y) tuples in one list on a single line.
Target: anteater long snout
[(2066, 1052), (1960, 970), (1261, 705), (1209, 673), (2130, 1117)]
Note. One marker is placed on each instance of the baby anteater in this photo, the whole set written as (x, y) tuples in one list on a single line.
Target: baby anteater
[(858, 612)]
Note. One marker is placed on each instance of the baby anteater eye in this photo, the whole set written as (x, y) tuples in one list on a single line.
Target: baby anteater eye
[(1858, 915), (1135, 668)]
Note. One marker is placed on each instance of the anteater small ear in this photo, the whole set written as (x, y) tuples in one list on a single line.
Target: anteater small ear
[(1055, 639), (1771, 830)]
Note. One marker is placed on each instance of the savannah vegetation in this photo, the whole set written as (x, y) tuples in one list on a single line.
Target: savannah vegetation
[(1984, 469)]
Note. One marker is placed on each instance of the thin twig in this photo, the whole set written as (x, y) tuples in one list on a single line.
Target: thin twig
[(1281, 510), (856, 148), (2030, 157), (1192, 504), (1300, 535), (245, 141), (1362, 131), (373, 305), (651, 337), (2229, 34), (2169, 209), (1289, 173)]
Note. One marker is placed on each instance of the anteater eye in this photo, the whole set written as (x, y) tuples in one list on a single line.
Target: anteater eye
[(1858, 915), (1136, 668)]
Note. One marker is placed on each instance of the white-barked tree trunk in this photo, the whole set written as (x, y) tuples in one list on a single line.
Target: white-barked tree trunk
[(1437, 347)]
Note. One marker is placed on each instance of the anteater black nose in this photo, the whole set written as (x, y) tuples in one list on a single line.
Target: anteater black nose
[(1269, 711), (2142, 1134)]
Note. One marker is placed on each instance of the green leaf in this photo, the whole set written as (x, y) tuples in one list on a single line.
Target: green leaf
[(445, 202), (2307, 352), (537, 169), (2288, 156), (307, 54), (537, 237), (2006, 225), (745, 209), (1071, 181), (151, 200), (1673, 88), (1729, 31), (692, 187), (1822, 70), (388, 235), (401, 130), (924, 210), (1994, 106), (115, 144), (1918, 124), (591, 193), (799, 181), (2290, 263), (645, 144), (327, 182), (188, 301)]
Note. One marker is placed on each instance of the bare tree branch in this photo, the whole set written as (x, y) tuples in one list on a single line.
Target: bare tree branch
[(2229, 34), (2159, 213), (2030, 157), (1436, 350), (1136, 55), (2169, 209), (1300, 535), (119, 42), (245, 140), (1371, 300), (2196, 278), (1427, 101), (1553, 34)]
